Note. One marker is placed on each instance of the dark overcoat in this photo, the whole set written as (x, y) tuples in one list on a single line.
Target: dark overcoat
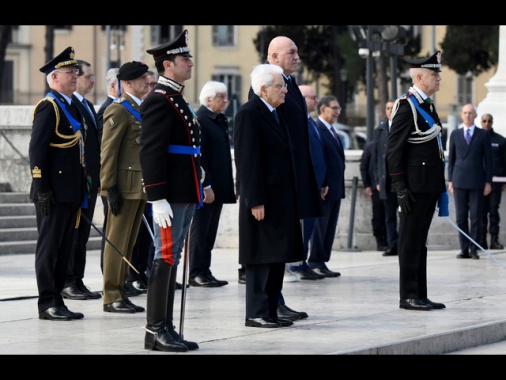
[(264, 162)]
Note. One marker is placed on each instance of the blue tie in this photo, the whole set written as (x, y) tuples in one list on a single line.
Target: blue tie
[(275, 115), (85, 104), (468, 136)]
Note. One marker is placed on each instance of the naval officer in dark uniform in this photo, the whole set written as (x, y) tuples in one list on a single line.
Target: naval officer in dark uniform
[(57, 166), (170, 162), (416, 165)]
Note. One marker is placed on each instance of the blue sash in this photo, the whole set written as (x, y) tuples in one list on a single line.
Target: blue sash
[(443, 200)]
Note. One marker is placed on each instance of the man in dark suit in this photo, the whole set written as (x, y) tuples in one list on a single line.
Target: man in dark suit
[(490, 217), (170, 161), (469, 178), (384, 187), (325, 227), (320, 168), (269, 222), (57, 165), (218, 185), (367, 171), (74, 286), (416, 163)]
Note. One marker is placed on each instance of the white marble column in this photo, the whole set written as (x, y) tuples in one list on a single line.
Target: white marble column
[(495, 101)]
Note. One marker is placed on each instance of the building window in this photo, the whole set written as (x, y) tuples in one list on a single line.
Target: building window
[(223, 35), (161, 34), (7, 84), (465, 88)]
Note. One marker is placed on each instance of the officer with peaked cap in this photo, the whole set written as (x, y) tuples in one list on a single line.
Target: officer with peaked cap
[(121, 181), (57, 166), (416, 165), (170, 160)]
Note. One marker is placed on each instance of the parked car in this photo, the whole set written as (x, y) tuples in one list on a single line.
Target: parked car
[(351, 138)]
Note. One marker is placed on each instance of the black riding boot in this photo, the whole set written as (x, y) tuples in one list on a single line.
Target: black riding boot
[(495, 243), (170, 307), (157, 337)]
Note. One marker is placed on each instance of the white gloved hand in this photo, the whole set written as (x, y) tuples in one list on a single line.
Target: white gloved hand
[(162, 213)]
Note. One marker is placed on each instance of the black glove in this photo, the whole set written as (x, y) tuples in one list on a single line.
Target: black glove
[(46, 199), (115, 200), (404, 197)]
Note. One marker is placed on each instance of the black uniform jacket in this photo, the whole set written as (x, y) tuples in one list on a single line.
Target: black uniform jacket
[(264, 162), (420, 166), (56, 152), (167, 119)]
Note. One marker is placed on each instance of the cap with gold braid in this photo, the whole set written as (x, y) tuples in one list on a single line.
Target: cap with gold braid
[(177, 46), (432, 63), (65, 58)]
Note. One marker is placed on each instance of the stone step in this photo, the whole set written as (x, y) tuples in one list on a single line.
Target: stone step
[(28, 233), (11, 197), (18, 221), (28, 246), (9, 209)]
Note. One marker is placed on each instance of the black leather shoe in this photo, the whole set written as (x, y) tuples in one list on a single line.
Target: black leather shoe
[(130, 290), (137, 308), (73, 315), (390, 252), (179, 286), (326, 272), (474, 255), (141, 286), (219, 282), (118, 307), (464, 254), (414, 304), (242, 277), (72, 292), (309, 274), (191, 345), (54, 314), (285, 312), (283, 322), (435, 305), (262, 322), (91, 295), (203, 281)]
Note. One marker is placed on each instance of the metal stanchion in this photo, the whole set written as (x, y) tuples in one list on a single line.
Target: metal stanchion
[(351, 234)]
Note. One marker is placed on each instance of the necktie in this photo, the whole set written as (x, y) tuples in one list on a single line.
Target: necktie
[(468, 136), (275, 114), (85, 103), (334, 133), (428, 100)]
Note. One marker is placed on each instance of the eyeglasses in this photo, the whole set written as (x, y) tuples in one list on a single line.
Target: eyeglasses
[(486, 121), (279, 86), (336, 108), (311, 97), (69, 72), (152, 84), (89, 77)]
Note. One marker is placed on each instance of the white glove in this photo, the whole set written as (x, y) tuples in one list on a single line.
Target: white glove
[(162, 213)]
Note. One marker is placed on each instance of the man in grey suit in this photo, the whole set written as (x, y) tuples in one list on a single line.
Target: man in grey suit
[(469, 178)]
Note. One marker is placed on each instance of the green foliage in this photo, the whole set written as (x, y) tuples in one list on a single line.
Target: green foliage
[(470, 48)]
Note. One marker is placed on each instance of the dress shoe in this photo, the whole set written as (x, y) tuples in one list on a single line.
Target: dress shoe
[(495, 242), (204, 281), (326, 272), (191, 345), (219, 282), (141, 286), (118, 307), (262, 322), (130, 290), (137, 308), (91, 295), (291, 276), (285, 312), (72, 292), (390, 252), (179, 286), (283, 322), (474, 255), (464, 254), (73, 315), (310, 274), (415, 304), (241, 277), (55, 314), (435, 305)]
